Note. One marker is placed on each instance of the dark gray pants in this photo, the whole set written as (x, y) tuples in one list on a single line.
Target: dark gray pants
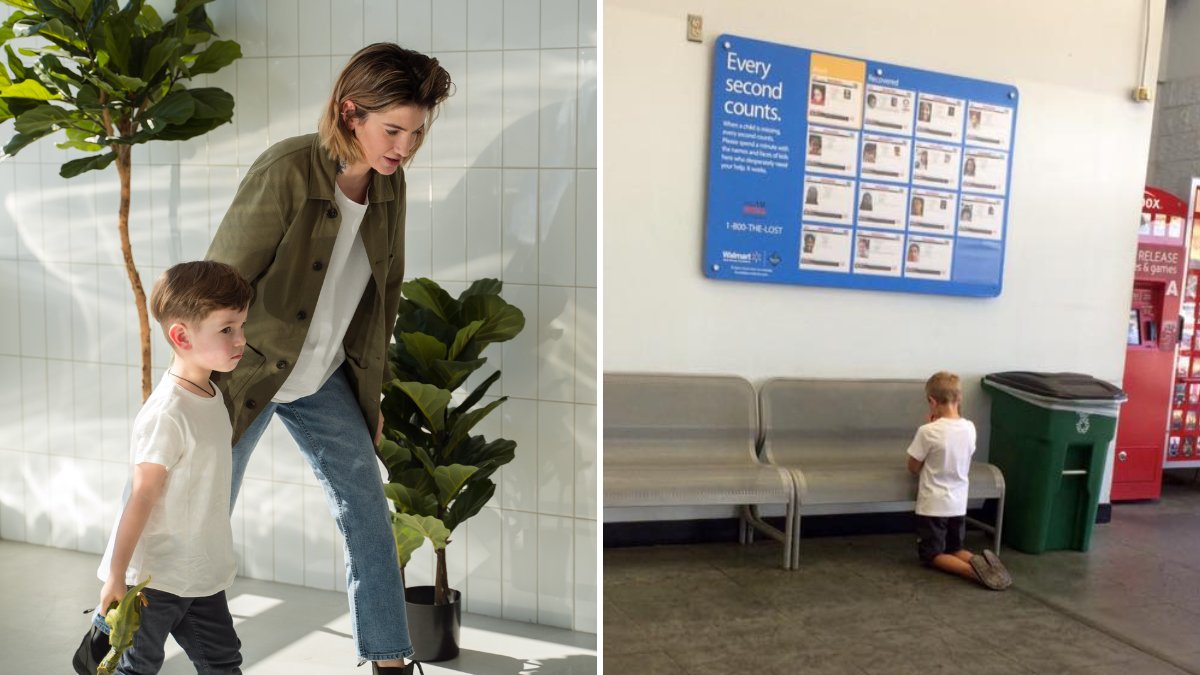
[(202, 626)]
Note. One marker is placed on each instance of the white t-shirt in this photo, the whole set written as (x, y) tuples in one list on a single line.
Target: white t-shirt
[(945, 446), (345, 280), (187, 545)]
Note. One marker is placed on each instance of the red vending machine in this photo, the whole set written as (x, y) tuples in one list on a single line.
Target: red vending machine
[(1150, 363), (1183, 439)]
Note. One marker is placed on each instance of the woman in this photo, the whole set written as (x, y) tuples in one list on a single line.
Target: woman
[(317, 226)]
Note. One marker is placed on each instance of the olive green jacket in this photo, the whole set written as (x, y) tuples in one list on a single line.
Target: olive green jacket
[(279, 232)]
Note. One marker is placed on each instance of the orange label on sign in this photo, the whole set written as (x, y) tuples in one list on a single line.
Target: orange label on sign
[(853, 70)]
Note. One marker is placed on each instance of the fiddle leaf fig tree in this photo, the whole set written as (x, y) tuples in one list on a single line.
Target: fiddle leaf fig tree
[(111, 77), (439, 475)]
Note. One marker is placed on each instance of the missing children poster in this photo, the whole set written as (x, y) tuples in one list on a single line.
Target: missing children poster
[(835, 171)]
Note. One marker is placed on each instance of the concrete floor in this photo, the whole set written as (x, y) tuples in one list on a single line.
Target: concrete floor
[(863, 605), (283, 628)]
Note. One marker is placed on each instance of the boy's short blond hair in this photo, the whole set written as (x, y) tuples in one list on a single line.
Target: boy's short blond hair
[(944, 388), (188, 292)]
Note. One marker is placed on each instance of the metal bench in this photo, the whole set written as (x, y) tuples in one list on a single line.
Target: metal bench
[(686, 440), (844, 443)]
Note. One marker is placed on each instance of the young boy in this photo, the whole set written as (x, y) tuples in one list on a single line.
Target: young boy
[(941, 455), (174, 521)]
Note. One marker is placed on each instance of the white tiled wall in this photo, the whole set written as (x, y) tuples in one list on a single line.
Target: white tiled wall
[(505, 187)]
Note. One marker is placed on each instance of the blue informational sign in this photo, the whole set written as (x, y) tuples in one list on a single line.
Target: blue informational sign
[(827, 170)]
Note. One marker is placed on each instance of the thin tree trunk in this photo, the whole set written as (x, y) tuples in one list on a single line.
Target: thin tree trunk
[(441, 583), (139, 294)]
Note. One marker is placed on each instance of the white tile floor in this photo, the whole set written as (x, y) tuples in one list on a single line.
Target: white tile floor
[(283, 628)]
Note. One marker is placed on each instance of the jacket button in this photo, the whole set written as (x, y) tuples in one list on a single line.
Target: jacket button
[(281, 365), (302, 315), (317, 266), (250, 404), (331, 213)]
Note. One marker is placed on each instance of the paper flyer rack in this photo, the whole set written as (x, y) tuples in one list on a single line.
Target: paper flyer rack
[(827, 170)]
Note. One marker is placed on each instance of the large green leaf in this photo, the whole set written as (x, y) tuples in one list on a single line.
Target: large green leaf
[(430, 400), (15, 107), (212, 102), (186, 6), (97, 12), (482, 287), (116, 41), (450, 478), (218, 55), (502, 321), (431, 528), (423, 457), (409, 499), (82, 146), (424, 321), (422, 481), (469, 502), (123, 619), (160, 55), (465, 423), (425, 349), (92, 163), (29, 89), (45, 117), (408, 540), (130, 85), (189, 129), (463, 337), (474, 397), (485, 455), (427, 294), (450, 374), (19, 141), (394, 455), (18, 68), (174, 108)]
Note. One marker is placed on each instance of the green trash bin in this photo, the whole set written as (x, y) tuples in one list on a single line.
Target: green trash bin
[(1050, 437)]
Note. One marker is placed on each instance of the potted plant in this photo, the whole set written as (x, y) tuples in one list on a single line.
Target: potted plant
[(438, 474), (112, 77)]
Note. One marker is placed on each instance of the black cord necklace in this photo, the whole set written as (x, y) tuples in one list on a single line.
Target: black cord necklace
[(192, 383)]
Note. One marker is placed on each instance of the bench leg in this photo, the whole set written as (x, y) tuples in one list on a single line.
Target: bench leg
[(787, 538), (796, 539), (999, 524), (741, 528)]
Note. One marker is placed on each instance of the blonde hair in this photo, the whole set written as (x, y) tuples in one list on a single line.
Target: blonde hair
[(190, 291), (944, 388), (378, 78)]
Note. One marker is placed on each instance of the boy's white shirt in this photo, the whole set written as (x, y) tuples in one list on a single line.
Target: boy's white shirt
[(946, 447), (187, 544)]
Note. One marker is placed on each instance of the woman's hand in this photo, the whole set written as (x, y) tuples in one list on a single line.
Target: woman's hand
[(379, 429), (114, 591)]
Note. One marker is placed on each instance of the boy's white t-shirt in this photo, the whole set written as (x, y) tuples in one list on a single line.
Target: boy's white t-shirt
[(187, 545), (946, 446), (346, 278)]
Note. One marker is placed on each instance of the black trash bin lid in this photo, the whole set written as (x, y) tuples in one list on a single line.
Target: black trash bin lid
[(1062, 386)]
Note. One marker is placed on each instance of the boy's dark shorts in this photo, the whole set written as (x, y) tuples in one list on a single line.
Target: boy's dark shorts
[(937, 535)]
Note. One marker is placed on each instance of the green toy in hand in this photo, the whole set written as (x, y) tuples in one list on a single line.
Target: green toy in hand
[(123, 619)]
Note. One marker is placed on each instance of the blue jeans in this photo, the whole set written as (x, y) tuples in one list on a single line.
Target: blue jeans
[(329, 428), (202, 626)]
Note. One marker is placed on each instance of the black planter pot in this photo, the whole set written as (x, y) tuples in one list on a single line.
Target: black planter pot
[(434, 629)]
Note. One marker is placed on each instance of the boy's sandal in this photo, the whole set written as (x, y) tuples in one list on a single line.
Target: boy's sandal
[(993, 561), (988, 576)]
